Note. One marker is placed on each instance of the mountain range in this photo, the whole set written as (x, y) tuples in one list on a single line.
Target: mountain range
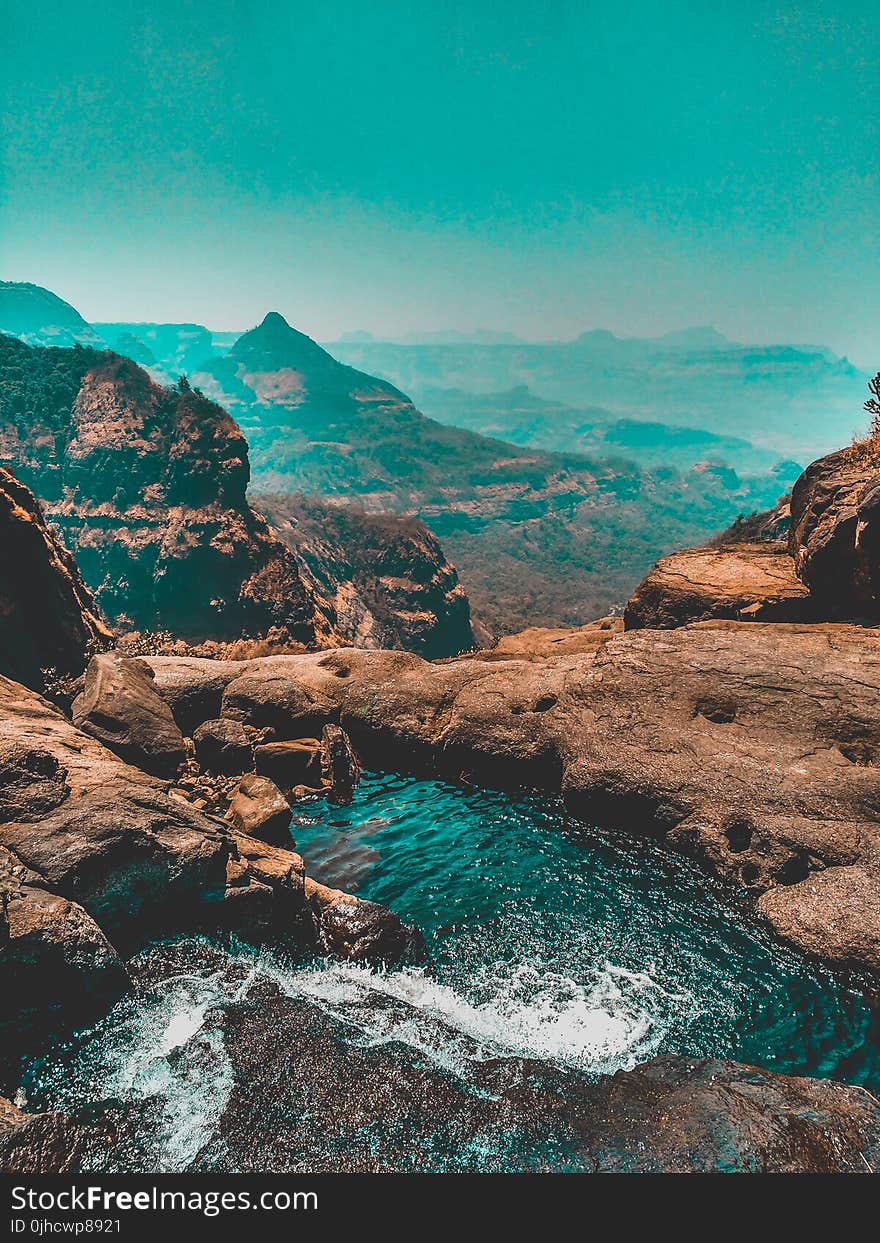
[(515, 483)]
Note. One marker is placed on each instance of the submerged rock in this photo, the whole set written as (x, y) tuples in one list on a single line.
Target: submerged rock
[(120, 707)]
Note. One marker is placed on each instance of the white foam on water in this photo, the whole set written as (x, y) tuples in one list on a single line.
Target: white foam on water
[(609, 1021), (164, 1052)]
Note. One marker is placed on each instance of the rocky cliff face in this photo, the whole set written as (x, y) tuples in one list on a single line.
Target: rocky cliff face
[(382, 580), (148, 487), (835, 531), (48, 618), (814, 557)]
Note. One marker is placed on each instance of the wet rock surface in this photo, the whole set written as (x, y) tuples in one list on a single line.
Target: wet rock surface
[(47, 1143), (752, 747), (304, 1096)]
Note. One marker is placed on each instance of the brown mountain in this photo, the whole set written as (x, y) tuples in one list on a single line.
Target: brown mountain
[(148, 488), (538, 537)]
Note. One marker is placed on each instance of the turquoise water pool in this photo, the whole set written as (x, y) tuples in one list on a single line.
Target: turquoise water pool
[(587, 951), (586, 946)]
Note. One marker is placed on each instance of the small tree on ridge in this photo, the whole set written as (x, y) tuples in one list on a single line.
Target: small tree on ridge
[(872, 405)]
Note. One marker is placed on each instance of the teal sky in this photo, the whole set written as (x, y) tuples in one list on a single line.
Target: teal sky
[(543, 168)]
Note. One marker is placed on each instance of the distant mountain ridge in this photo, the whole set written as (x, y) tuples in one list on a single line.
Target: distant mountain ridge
[(798, 401), (537, 535), (40, 317)]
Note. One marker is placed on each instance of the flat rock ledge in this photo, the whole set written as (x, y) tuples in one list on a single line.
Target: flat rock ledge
[(752, 747), (738, 582)]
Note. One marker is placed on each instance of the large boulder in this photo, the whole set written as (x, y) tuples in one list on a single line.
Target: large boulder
[(679, 1115), (223, 746), (835, 532), (289, 764), (48, 618), (259, 809), (736, 582), (55, 962), (121, 708), (352, 928)]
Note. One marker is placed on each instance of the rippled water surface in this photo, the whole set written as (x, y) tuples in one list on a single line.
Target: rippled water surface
[(588, 951)]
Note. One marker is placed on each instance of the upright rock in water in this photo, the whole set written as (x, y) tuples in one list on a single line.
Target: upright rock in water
[(47, 616), (340, 769), (122, 709), (349, 927), (835, 532)]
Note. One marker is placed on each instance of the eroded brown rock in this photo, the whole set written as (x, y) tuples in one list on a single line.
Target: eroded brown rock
[(223, 746), (119, 706), (259, 809), (99, 859), (735, 582), (835, 532), (538, 642), (753, 747), (47, 616), (340, 769), (349, 927)]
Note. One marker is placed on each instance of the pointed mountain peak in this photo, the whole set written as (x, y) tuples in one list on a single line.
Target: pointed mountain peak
[(275, 320), (274, 345)]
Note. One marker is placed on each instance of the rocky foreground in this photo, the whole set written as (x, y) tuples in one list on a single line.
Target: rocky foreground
[(97, 858), (672, 1114), (748, 745), (751, 747)]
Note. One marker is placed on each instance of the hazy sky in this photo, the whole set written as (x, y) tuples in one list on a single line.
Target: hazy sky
[(542, 167)]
